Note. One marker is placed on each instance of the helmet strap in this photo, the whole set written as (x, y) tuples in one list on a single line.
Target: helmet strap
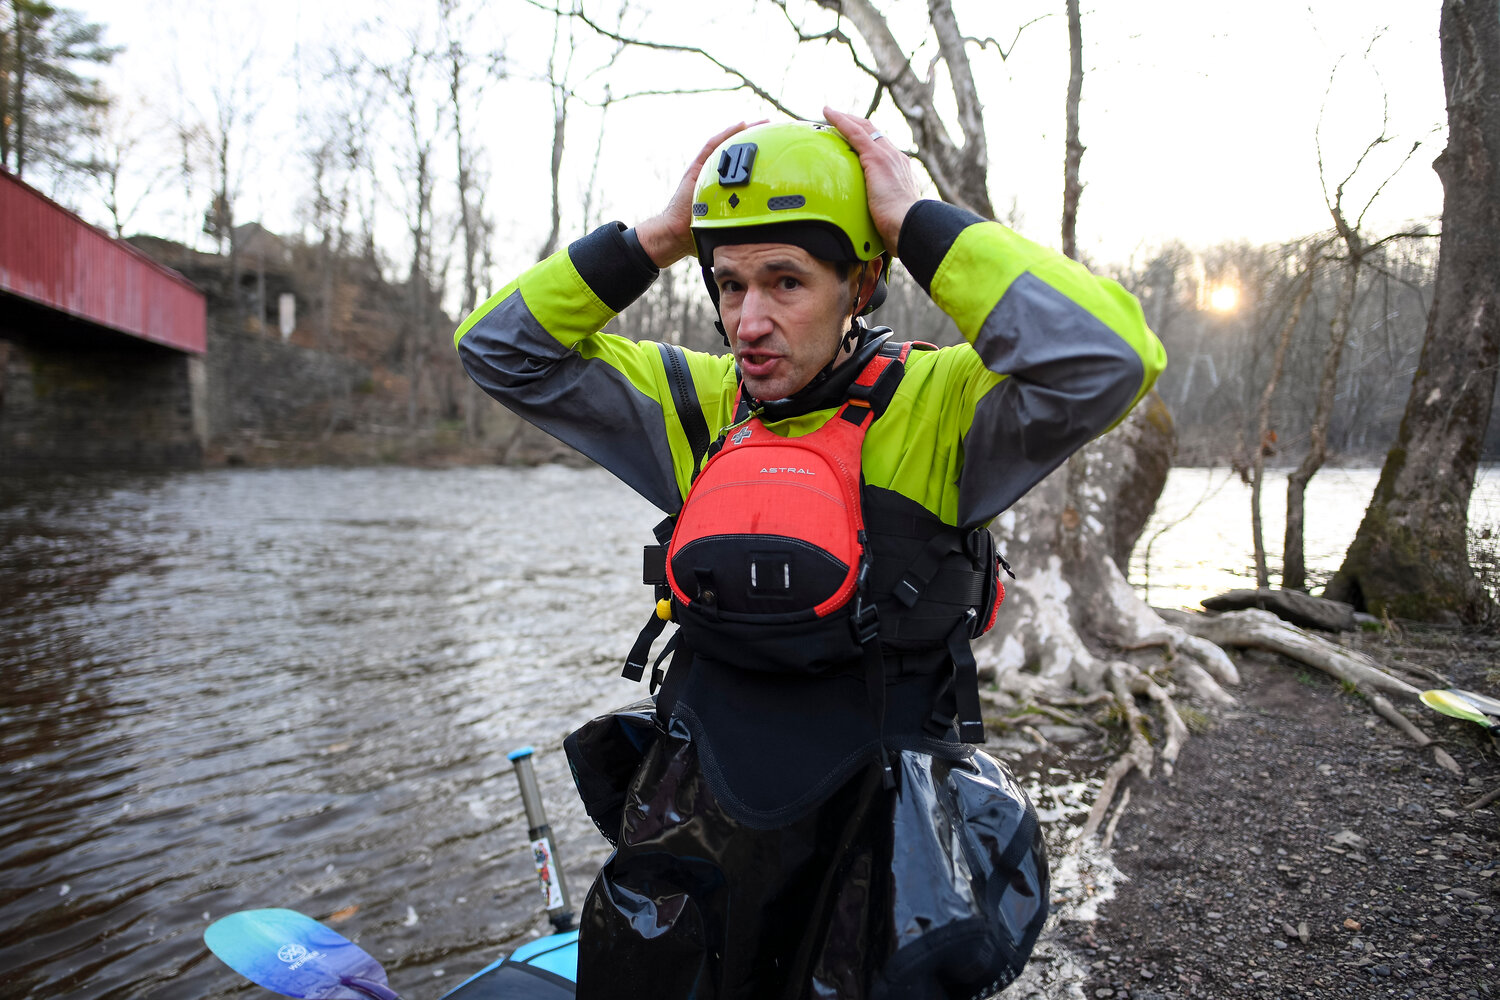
[(713, 293)]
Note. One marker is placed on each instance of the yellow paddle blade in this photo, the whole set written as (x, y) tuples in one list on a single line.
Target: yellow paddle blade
[(1451, 704)]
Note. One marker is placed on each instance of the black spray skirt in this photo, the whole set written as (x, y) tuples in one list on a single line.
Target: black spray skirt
[(934, 889)]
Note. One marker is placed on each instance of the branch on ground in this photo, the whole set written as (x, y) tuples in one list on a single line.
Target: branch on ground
[(1253, 629)]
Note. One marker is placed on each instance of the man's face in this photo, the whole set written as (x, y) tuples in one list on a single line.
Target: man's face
[(784, 311)]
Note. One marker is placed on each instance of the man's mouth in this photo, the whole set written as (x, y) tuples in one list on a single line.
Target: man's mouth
[(757, 364)]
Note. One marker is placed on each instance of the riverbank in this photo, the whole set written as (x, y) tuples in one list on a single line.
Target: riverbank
[(1305, 848)]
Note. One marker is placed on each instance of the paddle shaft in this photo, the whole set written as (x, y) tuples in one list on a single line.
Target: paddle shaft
[(375, 991), (554, 887)]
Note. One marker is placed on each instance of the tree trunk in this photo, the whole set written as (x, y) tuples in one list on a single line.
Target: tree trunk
[(1072, 620), (1263, 425), (961, 173), (1410, 557), (18, 111), (559, 136), (1294, 568), (1073, 156), (6, 93)]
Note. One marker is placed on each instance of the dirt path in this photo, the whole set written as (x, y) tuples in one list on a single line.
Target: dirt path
[(1304, 849)]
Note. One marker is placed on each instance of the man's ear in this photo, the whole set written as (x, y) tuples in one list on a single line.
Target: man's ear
[(869, 277)]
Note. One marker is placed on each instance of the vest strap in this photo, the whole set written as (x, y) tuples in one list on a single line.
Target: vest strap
[(635, 661), (685, 401), (966, 682), (919, 574)]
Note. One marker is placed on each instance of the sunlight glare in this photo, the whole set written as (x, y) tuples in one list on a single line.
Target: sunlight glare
[(1224, 299)]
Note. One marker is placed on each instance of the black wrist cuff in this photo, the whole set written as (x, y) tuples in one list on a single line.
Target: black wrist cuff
[(612, 262), (927, 234), (638, 252)]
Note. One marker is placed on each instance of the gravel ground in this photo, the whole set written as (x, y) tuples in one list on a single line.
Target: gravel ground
[(1305, 849)]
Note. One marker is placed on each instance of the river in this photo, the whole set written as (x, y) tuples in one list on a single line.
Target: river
[(1198, 542), (247, 688)]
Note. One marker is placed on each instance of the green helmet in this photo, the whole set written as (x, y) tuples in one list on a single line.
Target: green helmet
[(791, 182)]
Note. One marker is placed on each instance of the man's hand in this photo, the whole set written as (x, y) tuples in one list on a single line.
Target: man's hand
[(668, 236), (890, 186)]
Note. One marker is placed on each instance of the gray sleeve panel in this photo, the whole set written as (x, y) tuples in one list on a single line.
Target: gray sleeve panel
[(1071, 377), (586, 404)]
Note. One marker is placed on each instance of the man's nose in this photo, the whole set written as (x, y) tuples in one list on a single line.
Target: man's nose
[(755, 315)]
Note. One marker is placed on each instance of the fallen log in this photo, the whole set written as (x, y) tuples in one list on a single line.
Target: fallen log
[(1302, 610)]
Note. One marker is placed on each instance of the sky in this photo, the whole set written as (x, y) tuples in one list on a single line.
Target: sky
[(1202, 122)]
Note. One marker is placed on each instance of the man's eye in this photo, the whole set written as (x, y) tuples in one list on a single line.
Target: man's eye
[(728, 287), (789, 283)]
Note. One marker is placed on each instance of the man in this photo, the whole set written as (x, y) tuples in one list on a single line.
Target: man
[(796, 816)]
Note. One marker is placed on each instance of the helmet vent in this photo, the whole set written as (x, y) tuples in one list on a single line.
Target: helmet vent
[(700, 208), (785, 202)]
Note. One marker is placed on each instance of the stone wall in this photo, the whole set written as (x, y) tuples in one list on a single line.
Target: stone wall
[(258, 384), (73, 399), (73, 396)]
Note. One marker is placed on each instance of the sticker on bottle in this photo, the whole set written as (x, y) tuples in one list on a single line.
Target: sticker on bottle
[(541, 856)]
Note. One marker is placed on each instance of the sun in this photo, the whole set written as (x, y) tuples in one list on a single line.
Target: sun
[(1225, 298)]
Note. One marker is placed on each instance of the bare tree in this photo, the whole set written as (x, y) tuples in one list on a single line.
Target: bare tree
[(224, 126), (339, 161), (469, 74), (557, 78), (117, 161), (1356, 249), (1263, 433), (422, 125), (960, 170), (1073, 157), (1410, 556)]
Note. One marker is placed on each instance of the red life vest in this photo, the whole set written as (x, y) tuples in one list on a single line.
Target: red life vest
[(772, 532), (771, 566)]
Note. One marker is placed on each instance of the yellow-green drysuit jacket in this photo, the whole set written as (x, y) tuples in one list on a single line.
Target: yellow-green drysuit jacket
[(1055, 356)]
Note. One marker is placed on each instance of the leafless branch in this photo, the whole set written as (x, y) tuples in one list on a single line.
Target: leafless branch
[(1412, 234), (843, 37), (745, 82), (1359, 222), (985, 43), (674, 92), (834, 34)]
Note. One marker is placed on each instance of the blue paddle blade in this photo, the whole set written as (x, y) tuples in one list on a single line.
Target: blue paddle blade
[(295, 956)]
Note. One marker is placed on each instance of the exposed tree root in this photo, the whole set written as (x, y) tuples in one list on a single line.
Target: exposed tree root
[(1049, 662), (1432, 677), (1484, 800), (1068, 718), (1077, 701), (1388, 713), (1138, 754), (1114, 821), (1177, 731), (1262, 630), (1254, 629)]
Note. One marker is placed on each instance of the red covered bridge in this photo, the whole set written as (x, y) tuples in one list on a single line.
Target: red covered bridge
[(100, 347)]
